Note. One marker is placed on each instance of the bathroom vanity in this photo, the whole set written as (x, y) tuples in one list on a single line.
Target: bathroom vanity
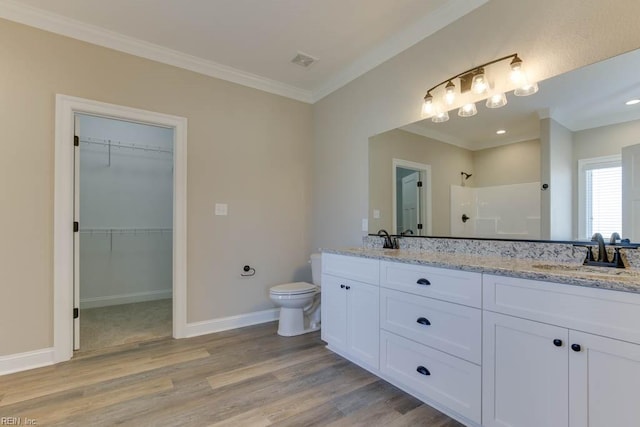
[(487, 340)]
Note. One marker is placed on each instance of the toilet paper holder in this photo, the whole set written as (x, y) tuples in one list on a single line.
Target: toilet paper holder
[(248, 271)]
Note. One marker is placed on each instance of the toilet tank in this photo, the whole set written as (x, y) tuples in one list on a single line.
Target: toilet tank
[(316, 268)]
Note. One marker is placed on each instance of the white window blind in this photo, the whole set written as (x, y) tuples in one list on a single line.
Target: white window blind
[(601, 179)]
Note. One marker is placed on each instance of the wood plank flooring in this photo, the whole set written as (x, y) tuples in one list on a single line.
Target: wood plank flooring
[(245, 377)]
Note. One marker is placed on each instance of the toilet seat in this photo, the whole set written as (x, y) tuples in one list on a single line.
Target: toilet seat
[(296, 288)]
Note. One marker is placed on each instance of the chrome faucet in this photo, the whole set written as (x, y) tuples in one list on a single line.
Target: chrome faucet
[(602, 251), (388, 243)]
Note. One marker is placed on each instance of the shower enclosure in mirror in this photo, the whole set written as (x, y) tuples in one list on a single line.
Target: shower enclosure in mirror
[(529, 181)]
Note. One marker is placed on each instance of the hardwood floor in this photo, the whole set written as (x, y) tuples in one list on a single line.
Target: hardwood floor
[(244, 377)]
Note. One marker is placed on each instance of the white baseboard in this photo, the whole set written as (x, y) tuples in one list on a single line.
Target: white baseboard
[(124, 299), (225, 323), (24, 361), (44, 357)]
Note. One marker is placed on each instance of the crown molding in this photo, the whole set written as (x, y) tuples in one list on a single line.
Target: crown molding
[(58, 24), (451, 11), (38, 18), (416, 129)]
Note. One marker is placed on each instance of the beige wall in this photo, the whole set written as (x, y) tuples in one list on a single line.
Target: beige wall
[(446, 163), (598, 142), (516, 163), (552, 37), (605, 140), (246, 148)]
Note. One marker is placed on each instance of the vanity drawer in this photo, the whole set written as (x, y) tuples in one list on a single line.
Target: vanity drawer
[(451, 382), (452, 328), (351, 267), (604, 312), (461, 287)]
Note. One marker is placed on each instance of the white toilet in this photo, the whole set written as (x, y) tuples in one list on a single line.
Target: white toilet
[(299, 303)]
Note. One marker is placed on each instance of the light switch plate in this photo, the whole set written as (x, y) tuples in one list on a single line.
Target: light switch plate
[(221, 208), (376, 213), (365, 224)]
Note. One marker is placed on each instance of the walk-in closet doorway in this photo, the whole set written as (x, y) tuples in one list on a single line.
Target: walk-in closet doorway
[(119, 225), (123, 198)]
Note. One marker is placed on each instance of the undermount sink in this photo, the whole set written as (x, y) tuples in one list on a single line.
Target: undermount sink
[(586, 270)]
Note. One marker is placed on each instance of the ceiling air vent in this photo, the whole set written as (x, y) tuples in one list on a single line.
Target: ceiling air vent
[(303, 60)]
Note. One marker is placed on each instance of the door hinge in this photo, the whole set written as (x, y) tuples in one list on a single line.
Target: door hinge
[(419, 183), (76, 313), (76, 140), (419, 226), (76, 226)]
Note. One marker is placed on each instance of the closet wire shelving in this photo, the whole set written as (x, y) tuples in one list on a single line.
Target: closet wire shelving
[(109, 143), (110, 232)]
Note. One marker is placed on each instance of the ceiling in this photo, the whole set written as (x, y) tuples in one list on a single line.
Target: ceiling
[(585, 98), (251, 42)]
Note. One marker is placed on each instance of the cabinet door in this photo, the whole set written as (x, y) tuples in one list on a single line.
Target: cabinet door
[(363, 324), (525, 373), (334, 312), (603, 381)]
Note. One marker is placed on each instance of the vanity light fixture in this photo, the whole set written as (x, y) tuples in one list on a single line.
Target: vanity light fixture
[(632, 102), (501, 132), (475, 80), (450, 93), (468, 110), (440, 117), (497, 100)]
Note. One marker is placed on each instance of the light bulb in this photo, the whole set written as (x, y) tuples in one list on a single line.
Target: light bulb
[(468, 110), (479, 83), (517, 73), (496, 100), (427, 107), (449, 93)]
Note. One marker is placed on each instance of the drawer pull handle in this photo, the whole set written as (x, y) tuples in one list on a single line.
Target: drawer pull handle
[(423, 282), (348, 287), (422, 370), (342, 286), (557, 342), (576, 347), (423, 321)]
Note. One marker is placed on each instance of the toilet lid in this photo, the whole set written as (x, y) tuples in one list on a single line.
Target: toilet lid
[(294, 288)]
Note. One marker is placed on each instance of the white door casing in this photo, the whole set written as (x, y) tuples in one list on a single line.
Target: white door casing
[(410, 202), (63, 255), (76, 237), (631, 192), (424, 197)]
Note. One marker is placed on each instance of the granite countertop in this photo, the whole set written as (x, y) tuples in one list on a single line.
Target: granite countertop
[(627, 280)]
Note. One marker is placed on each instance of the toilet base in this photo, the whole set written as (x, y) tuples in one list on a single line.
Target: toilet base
[(291, 323)]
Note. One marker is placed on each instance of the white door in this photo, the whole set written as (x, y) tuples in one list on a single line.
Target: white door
[(631, 192), (525, 373), (363, 323), (603, 382), (334, 312), (410, 203), (76, 236)]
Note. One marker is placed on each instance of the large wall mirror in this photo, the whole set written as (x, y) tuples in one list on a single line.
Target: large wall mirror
[(560, 169)]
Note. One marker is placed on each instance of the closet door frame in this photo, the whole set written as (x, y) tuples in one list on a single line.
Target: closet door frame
[(63, 235)]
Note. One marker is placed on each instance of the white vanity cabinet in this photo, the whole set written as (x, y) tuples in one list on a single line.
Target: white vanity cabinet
[(559, 355), (350, 313), (430, 338)]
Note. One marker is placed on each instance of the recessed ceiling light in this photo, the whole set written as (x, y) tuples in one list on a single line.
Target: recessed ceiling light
[(501, 131), (633, 102)]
